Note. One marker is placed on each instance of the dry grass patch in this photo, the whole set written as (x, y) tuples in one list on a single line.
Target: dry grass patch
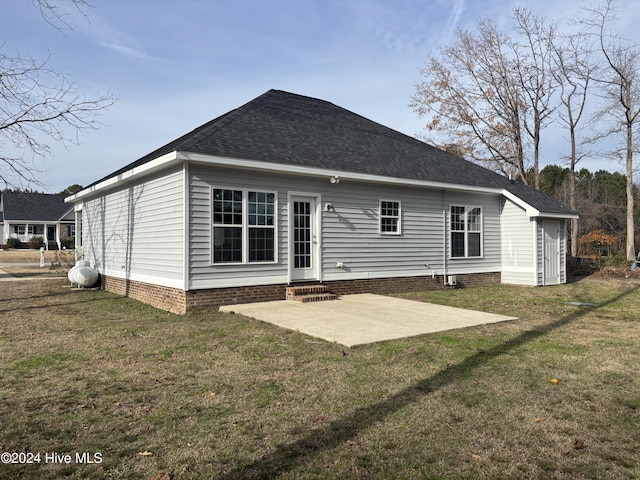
[(58, 263), (211, 395), (30, 256)]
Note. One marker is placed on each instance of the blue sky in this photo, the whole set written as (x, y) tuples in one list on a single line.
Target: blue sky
[(174, 65)]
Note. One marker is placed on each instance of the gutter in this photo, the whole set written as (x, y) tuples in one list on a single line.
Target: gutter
[(178, 158)]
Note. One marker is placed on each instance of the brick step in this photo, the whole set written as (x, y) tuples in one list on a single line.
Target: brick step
[(313, 297), (310, 293), (304, 289)]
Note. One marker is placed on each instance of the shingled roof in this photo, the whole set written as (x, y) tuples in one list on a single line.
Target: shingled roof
[(288, 129), (36, 207)]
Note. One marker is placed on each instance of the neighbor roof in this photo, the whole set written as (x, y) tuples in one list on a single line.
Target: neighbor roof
[(39, 207), (288, 129)]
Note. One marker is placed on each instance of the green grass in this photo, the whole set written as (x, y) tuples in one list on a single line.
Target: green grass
[(212, 395)]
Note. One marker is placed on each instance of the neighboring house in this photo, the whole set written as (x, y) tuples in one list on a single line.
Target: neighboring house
[(291, 189), (36, 216)]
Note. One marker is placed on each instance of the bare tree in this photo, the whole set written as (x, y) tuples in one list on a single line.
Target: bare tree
[(620, 87), (535, 74), (55, 15), (472, 100), (490, 95), (37, 105), (574, 72)]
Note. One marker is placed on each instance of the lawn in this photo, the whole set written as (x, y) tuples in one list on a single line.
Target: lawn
[(57, 262), (146, 394)]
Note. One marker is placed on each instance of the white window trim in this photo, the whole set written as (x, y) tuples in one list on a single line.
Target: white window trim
[(380, 217), (467, 209), (245, 226)]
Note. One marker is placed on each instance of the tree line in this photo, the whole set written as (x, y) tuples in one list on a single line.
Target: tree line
[(600, 197), (490, 95)]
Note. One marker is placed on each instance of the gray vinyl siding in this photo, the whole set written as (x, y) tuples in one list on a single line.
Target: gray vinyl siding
[(490, 261), (203, 273), (518, 249), (136, 232), (350, 234)]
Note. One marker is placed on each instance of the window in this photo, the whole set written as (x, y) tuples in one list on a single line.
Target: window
[(466, 232), (389, 217), (261, 227), (243, 226), (20, 229)]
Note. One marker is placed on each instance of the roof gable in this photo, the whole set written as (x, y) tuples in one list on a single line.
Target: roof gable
[(288, 129)]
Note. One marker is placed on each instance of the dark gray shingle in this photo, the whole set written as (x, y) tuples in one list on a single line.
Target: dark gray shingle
[(285, 128), (18, 206)]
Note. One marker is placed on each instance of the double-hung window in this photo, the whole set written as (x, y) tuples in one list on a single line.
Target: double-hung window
[(389, 217), (261, 226), (243, 226), (466, 231)]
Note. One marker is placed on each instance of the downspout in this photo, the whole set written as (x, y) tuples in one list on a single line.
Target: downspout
[(444, 240), (289, 240), (186, 243), (318, 245)]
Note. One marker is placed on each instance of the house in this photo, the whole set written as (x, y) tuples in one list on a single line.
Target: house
[(290, 189), (36, 219)]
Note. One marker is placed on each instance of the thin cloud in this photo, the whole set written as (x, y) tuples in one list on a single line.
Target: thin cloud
[(130, 51), (454, 18), (106, 36)]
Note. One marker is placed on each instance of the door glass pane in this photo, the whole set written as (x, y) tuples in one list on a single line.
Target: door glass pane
[(302, 234)]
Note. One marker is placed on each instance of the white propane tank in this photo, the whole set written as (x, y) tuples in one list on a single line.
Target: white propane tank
[(71, 273), (82, 274), (85, 276)]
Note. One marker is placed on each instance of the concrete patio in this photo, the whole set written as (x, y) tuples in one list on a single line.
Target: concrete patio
[(364, 318)]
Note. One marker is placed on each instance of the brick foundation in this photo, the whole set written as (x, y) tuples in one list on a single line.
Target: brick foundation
[(409, 284), (170, 299), (217, 297), (178, 301)]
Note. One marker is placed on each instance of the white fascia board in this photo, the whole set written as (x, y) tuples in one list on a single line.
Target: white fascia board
[(177, 157), (145, 169), (531, 212), (559, 215), (534, 212), (321, 172)]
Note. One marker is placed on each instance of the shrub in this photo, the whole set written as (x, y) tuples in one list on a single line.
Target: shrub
[(599, 243), (13, 243), (68, 243), (36, 242), (62, 261)]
